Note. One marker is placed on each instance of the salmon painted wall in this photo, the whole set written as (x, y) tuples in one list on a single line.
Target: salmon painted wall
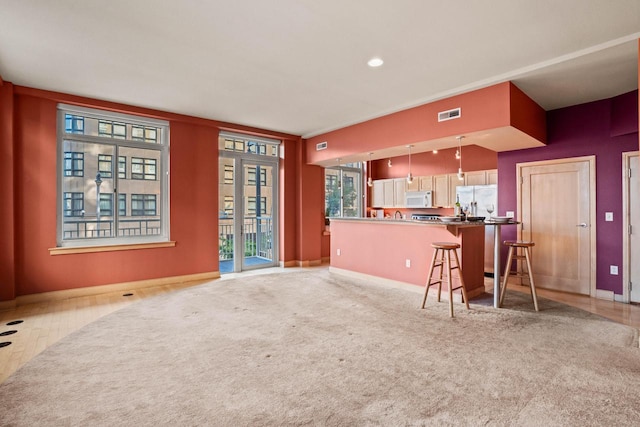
[(486, 108), (29, 154), (584, 130), (7, 193)]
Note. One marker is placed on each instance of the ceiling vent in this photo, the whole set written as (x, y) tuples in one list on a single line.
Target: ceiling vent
[(321, 146), (449, 114)]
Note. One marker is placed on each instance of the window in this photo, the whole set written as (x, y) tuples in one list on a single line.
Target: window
[(342, 191), (93, 145), (73, 204), (143, 169), (251, 146), (228, 205), (143, 204), (73, 124), (251, 206), (122, 204), (147, 134), (104, 165), (251, 176), (228, 174), (106, 204), (122, 167), (73, 163), (111, 129)]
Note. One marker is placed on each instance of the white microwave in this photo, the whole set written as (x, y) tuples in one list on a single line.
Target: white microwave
[(418, 199)]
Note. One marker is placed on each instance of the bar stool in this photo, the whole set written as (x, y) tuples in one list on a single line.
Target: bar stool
[(513, 254), (445, 249)]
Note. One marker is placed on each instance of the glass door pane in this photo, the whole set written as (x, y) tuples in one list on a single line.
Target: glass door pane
[(226, 214), (258, 221)]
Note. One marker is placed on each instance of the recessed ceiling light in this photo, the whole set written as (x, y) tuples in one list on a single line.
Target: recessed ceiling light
[(375, 62)]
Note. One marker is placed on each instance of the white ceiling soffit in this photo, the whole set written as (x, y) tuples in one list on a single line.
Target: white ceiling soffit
[(299, 66)]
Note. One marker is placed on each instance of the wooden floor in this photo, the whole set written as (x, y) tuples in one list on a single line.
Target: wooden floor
[(45, 323)]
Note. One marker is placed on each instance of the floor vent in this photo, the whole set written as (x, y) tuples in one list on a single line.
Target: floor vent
[(449, 114)]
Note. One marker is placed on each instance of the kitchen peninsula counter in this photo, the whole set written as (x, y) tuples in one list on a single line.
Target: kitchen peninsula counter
[(400, 250)]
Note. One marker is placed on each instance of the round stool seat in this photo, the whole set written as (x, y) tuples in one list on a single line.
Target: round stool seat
[(519, 243), (445, 245)]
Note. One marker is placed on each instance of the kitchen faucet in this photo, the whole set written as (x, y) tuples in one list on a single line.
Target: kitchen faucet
[(395, 215)]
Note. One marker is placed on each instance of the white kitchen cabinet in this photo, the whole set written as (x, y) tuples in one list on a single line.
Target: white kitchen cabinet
[(415, 184), (454, 183), (377, 194), (426, 183), (389, 199), (399, 190), (475, 178), (440, 190), (492, 176)]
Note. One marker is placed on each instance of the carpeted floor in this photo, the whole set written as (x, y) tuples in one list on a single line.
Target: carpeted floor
[(316, 348)]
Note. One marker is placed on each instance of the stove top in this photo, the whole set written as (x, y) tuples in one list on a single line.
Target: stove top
[(425, 217)]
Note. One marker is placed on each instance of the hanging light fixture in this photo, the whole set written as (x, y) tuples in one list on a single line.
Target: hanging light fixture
[(389, 163), (459, 157), (409, 176), (369, 180)]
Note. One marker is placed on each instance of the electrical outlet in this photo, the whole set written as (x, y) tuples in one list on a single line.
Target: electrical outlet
[(608, 216), (510, 214), (407, 263), (613, 270), (338, 251)]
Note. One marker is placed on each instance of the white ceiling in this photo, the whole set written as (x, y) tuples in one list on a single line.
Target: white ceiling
[(299, 66)]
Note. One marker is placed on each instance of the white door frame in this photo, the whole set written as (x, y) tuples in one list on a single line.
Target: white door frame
[(626, 250), (592, 206)]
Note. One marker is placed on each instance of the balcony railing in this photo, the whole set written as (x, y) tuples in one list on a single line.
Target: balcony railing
[(92, 229), (258, 237)]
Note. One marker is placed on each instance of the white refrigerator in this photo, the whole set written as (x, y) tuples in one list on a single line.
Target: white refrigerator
[(484, 196)]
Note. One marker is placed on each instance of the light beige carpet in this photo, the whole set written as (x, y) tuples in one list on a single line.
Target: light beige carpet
[(314, 348)]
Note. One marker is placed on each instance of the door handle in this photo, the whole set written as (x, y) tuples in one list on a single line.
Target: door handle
[(583, 225)]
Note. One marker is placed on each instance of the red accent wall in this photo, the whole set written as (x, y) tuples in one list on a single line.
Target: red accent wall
[(474, 158), (28, 170), (7, 193)]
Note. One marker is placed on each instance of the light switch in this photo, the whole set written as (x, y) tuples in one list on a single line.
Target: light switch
[(510, 214), (338, 252), (613, 269), (407, 263), (608, 216)]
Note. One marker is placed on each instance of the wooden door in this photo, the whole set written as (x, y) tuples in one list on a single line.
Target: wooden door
[(454, 183), (399, 190), (631, 196), (388, 191), (557, 211)]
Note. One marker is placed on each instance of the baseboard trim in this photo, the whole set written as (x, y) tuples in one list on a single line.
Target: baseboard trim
[(604, 294), (103, 289), (396, 284)]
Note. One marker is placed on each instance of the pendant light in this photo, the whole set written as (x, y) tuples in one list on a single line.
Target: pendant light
[(369, 180), (409, 175), (459, 157)]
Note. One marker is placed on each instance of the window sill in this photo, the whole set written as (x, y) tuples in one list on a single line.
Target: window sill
[(108, 248)]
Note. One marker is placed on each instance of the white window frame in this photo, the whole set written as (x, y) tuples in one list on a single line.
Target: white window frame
[(161, 145)]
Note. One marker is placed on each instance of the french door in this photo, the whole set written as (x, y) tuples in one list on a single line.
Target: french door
[(248, 219)]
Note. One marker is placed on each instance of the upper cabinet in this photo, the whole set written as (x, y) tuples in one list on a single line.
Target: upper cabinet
[(390, 193)]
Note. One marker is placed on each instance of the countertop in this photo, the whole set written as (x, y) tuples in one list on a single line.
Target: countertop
[(423, 222)]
